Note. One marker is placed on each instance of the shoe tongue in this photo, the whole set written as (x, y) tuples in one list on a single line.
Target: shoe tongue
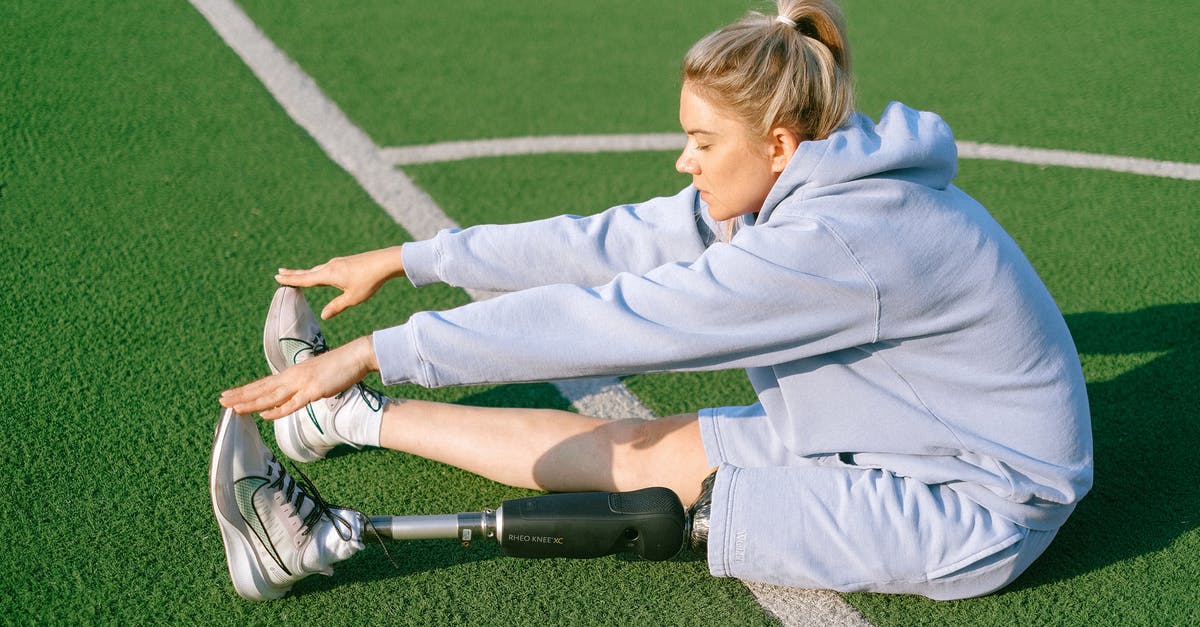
[(328, 546), (302, 502), (339, 546)]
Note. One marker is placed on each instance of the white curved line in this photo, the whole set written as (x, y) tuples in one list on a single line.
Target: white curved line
[(1073, 159), (459, 150), (510, 146)]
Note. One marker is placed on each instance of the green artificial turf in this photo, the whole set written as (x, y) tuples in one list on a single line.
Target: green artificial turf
[(511, 69), (149, 187), (1109, 77)]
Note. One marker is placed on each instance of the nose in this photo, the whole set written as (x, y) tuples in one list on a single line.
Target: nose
[(686, 165)]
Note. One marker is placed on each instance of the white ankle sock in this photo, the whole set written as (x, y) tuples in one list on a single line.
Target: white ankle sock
[(359, 424), (365, 430)]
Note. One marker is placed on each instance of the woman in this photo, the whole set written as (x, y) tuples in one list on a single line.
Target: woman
[(922, 424)]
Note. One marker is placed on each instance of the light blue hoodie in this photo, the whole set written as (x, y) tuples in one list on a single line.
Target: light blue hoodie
[(882, 315)]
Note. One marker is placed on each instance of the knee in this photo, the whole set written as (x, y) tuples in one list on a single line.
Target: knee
[(663, 452), (632, 439), (632, 446)]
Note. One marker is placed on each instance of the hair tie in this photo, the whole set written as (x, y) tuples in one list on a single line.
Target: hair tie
[(783, 19)]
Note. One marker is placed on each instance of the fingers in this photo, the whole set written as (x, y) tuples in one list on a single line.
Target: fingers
[(302, 278), (337, 306), (238, 397), (292, 405), (278, 404), (272, 397)]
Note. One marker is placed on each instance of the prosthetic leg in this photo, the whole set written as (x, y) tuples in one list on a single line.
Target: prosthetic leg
[(649, 522), (278, 530)]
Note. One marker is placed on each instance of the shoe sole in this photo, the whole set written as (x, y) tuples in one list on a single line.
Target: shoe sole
[(245, 570), (287, 436)]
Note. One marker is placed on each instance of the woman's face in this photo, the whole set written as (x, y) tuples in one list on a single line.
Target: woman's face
[(732, 167)]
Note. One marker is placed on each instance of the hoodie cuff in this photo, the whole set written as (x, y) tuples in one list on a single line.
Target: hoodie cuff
[(397, 357), (420, 261), (722, 550)]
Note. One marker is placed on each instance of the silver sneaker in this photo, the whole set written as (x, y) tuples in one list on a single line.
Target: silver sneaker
[(276, 531), (310, 433), (292, 333), (290, 336)]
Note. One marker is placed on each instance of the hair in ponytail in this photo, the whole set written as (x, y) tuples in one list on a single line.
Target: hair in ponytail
[(790, 70)]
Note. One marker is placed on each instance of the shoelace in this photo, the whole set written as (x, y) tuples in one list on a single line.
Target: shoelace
[(374, 398), (295, 492), (319, 346)]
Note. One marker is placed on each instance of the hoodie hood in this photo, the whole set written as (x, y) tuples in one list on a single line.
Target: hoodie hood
[(906, 144)]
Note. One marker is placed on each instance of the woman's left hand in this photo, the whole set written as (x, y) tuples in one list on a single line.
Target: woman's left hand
[(315, 378)]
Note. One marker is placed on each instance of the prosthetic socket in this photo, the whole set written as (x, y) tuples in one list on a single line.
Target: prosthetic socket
[(696, 530)]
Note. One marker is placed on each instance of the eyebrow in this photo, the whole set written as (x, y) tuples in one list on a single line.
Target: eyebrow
[(700, 131)]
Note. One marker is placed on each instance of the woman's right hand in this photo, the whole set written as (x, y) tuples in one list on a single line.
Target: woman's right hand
[(358, 276)]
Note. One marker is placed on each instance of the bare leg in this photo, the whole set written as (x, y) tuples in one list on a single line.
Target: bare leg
[(552, 450)]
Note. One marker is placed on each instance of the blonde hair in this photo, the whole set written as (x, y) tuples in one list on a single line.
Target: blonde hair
[(790, 71)]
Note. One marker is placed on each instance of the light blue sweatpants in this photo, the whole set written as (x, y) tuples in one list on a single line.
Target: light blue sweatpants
[(825, 524)]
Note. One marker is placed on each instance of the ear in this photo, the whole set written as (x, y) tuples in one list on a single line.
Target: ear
[(783, 143)]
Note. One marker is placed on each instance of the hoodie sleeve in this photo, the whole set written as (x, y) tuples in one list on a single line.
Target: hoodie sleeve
[(566, 249), (772, 295)]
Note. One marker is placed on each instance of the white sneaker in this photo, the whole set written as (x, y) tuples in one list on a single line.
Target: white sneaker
[(292, 335), (309, 434), (276, 532)]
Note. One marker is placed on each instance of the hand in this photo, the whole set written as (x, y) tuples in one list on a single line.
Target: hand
[(315, 378), (358, 276)]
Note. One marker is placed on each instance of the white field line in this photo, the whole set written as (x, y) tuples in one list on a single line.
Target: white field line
[(459, 150), (355, 152), (1072, 159), (416, 211)]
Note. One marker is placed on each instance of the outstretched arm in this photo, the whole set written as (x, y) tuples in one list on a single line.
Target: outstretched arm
[(567, 249), (771, 296)]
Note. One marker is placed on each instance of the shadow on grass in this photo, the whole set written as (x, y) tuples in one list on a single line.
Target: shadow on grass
[(419, 556), (1147, 431), (410, 556)]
